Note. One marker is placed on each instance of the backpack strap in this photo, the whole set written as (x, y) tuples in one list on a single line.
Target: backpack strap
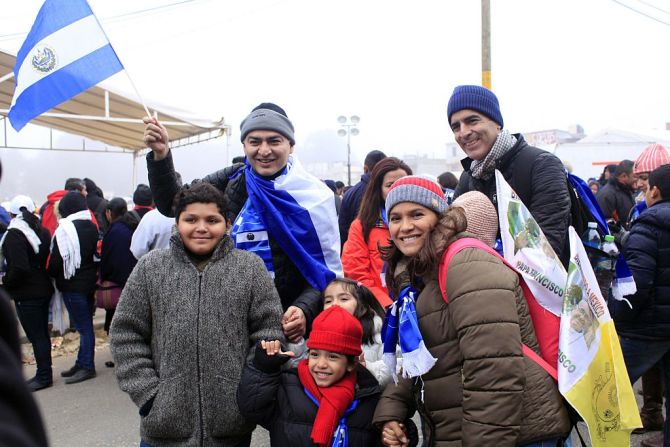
[(468, 242)]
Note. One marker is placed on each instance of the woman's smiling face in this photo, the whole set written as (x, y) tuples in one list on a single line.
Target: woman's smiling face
[(410, 225)]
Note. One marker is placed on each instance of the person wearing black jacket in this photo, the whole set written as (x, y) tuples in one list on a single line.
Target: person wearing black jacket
[(97, 204), (616, 198), (25, 248), (644, 330), (351, 201), (72, 265), (268, 139), (302, 406), (116, 260), (537, 176)]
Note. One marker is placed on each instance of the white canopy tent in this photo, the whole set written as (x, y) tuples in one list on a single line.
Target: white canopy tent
[(108, 117)]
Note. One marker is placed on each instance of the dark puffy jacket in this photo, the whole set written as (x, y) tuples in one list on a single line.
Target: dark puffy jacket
[(26, 277), (293, 288), (542, 186), (616, 201), (85, 276), (647, 252), (278, 402), (117, 261), (349, 207)]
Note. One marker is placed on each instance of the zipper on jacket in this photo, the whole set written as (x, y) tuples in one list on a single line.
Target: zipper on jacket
[(197, 358)]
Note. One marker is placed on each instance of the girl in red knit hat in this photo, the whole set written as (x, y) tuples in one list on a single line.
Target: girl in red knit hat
[(328, 400)]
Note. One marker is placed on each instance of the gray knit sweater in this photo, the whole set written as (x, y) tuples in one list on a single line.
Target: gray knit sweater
[(180, 337)]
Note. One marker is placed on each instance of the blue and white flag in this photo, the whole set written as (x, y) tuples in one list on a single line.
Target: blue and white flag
[(298, 211), (66, 52)]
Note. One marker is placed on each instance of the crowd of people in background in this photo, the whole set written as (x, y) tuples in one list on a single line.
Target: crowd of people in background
[(259, 293)]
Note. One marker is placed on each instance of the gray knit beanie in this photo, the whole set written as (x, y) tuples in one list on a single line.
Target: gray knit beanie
[(416, 189), (481, 216), (268, 116)]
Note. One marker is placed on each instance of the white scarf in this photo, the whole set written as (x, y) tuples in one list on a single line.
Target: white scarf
[(68, 242), (19, 224)]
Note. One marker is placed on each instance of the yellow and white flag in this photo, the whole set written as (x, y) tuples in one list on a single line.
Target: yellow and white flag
[(591, 372)]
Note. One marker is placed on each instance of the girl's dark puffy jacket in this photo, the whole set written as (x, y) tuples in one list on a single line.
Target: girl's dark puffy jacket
[(26, 277), (85, 276), (647, 251), (278, 402)]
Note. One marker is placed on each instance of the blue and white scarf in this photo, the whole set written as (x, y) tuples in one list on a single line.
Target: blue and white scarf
[(298, 211), (402, 326), (623, 283)]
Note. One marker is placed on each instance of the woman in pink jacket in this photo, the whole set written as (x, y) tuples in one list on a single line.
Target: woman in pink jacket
[(360, 256)]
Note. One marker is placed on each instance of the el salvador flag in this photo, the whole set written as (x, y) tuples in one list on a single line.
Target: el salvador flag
[(66, 52)]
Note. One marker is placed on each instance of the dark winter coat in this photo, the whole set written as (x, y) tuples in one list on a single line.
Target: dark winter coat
[(26, 277), (351, 202), (482, 391), (542, 187), (20, 420), (117, 261), (85, 276), (293, 288), (278, 402), (616, 200), (647, 252), (98, 205), (180, 338)]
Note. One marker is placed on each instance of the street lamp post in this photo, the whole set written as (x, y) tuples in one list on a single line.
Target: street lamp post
[(348, 128)]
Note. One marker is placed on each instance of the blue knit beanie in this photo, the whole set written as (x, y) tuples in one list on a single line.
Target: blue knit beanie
[(475, 97)]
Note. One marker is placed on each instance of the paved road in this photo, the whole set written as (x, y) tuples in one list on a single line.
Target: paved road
[(96, 413)]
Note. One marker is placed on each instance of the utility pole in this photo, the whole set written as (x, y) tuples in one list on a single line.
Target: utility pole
[(486, 44)]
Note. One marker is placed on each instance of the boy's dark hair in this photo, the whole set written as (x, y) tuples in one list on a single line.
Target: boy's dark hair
[(660, 178), (201, 192), (366, 309), (373, 158), (118, 207), (339, 184), (74, 184)]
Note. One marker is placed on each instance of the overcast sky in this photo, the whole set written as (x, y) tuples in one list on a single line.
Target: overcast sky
[(393, 63)]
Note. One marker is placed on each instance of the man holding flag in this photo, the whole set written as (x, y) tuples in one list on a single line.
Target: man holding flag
[(65, 53), (279, 211)]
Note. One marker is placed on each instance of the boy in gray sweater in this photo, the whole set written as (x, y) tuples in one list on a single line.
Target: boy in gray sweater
[(184, 325)]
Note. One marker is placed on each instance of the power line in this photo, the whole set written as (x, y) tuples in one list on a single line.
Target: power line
[(653, 6), (115, 18), (642, 13)]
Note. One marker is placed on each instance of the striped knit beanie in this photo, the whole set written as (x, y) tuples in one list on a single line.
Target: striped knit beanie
[(475, 97), (336, 330), (481, 216), (651, 158), (416, 189)]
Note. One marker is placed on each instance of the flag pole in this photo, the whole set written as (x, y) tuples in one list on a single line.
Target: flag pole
[(7, 76), (137, 92)]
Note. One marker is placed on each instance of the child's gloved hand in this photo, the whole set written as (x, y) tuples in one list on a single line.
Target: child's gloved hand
[(269, 357)]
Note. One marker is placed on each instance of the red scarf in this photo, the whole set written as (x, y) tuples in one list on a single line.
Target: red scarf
[(333, 402)]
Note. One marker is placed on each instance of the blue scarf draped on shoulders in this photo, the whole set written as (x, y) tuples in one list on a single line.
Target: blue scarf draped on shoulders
[(298, 211)]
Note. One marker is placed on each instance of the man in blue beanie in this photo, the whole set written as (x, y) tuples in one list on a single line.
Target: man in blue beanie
[(535, 175)]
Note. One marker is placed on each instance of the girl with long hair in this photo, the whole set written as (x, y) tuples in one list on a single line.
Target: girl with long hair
[(361, 259)]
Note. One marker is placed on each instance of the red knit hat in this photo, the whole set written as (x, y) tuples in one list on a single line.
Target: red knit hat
[(336, 330), (651, 158)]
